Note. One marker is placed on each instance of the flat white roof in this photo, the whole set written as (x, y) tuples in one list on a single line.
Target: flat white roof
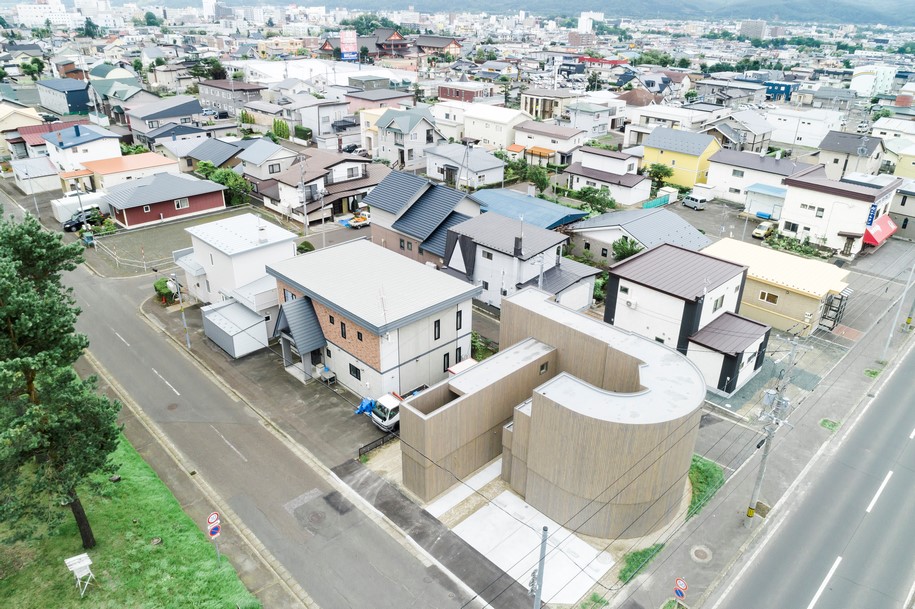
[(240, 234), (814, 278), (372, 285)]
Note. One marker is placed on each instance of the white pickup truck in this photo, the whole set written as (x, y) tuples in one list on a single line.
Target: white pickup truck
[(357, 220)]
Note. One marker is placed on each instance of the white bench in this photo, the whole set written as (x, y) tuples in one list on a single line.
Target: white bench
[(80, 567)]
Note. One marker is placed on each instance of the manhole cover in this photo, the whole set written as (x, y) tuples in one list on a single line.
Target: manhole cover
[(316, 517), (172, 407), (701, 554)]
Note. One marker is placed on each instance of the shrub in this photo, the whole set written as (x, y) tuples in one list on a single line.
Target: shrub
[(304, 247), (634, 561)]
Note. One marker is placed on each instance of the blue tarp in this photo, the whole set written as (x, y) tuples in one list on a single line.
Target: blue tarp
[(365, 407)]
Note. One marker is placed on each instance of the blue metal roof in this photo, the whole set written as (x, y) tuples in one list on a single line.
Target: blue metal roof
[(766, 189), (532, 210), (298, 319), (76, 135), (396, 191), (64, 84), (435, 243), (430, 210)]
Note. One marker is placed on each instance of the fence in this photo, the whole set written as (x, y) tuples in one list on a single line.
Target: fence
[(144, 264), (379, 442), (662, 200)]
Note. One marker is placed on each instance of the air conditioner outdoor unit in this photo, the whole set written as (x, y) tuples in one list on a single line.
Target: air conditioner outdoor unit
[(631, 304)]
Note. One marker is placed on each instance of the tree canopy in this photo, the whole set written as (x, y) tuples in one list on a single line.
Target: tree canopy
[(89, 29), (208, 69), (367, 23), (32, 68), (151, 19)]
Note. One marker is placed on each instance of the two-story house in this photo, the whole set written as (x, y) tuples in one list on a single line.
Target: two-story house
[(593, 118), (70, 147), (491, 126), (449, 118), (686, 153), (692, 117), (733, 174), (546, 104), (608, 170), (847, 215), (802, 127), (376, 321), (467, 91), (842, 153), (180, 109), (64, 95), (106, 173), (689, 301), (503, 255), (745, 130), (262, 161), (226, 267), (404, 136), (228, 95), (329, 119), (464, 166), (12, 118), (546, 143), (377, 98)]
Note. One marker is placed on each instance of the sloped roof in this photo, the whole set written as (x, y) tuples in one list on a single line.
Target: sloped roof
[(63, 84), (753, 121), (429, 210), (639, 97), (749, 160), (169, 129), (499, 232), (158, 188), (77, 135), (214, 150), (675, 140), (626, 180), (378, 94), (131, 162), (848, 143), (396, 191), (650, 227), (729, 333), (261, 150), (435, 242), (676, 271), (532, 210), (180, 105), (563, 276), (474, 159), (298, 319), (404, 121)]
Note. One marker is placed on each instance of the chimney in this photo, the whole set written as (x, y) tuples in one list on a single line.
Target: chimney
[(518, 247), (60, 137), (76, 130)]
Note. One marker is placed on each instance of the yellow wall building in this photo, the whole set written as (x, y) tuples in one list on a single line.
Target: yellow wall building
[(685, 152), (905, 166)]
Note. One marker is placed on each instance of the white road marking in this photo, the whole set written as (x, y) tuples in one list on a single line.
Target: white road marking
[(121, 337), (156, 372), (912, 435), (237, 452), (879, 490), (816, 596)]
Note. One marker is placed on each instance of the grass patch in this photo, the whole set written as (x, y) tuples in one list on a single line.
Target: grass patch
[(706, 477), (672, 604), (634, 561), (595, 601), (129, 571), (871, 373), (829, 424)]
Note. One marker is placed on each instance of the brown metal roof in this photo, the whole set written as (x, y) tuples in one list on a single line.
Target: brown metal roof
[(677, 271), (627, 180), (729, 333)]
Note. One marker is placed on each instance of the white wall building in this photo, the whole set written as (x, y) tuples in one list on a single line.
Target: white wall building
[(802, 127), (872, 79), (731, 173), (492, 126), (70, 147)]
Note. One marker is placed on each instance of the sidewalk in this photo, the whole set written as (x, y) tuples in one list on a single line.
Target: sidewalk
[(709, 547)]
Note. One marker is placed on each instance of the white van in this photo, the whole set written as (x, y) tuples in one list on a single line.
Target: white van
[(696, 200)]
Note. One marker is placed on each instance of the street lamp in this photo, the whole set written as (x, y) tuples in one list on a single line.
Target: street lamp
[(187, 335)]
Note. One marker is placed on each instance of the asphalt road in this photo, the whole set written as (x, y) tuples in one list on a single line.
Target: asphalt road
[(846, 541)]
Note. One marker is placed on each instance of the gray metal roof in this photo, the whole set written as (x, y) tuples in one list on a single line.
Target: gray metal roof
[(848, 143), (430, 210), (298, 319), (498, 233), (730, 333), (233, 318), (158, 188), (564, 276), (214, 151), (261, 150), (180, 105), (750, 160), (241, 233), (753, 121), (626, 180), (539, 128), (650, 227), (404, 121), (676, 271), (675, 140), (373, 286), (435, 243), (473, 158), (396, 191)]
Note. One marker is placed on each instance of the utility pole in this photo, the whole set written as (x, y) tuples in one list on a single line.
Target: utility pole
[(774, 418), (905, 291), (537, 575)]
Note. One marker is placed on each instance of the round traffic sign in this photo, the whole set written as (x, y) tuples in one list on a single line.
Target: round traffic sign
[(214, 531), (213, 518), (680, 593), (681, 584)]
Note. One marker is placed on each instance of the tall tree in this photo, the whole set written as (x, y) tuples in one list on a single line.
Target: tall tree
[(539, 177), (89, 29), (659, 172), (54, 429), (624, 248), (32, 68), (151, 19)]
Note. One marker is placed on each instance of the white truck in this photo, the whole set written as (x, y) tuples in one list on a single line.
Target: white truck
[(386, 412)]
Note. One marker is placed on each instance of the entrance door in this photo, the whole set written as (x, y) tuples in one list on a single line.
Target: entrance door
[(849, 242)]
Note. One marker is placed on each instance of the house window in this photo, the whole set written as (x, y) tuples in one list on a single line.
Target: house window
[(446, 362), (186, 120), (659, 339), (403, 244), (735, 191), (673, 162), (342, 330), (273, 168), (354, 372), (327, 352), (485, 285), (409, 246), (603, 252), (189, 162), (267, 317), (719, 302), (211, 260), (820, 212), (146, 209), (207, 281), (458, 358), (587, 245), (624, 289), (768, 297), (182, 203), (737, 173), (288, 296), (487, 255), (904, 198), (791, 227), (152, 124), (352, 172), (835, 161), (437, 329), (905, 222), (359, 336), (414, 136), (459, 320), (331, 317), (544, 367)]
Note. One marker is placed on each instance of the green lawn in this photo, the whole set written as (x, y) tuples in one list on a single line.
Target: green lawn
[(706, 477), (130, 572), (634, 561)]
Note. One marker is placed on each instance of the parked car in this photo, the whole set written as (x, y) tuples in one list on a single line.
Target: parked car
[(696, 200), (361, 152), (764, 229), (209, 112), (222, 114), (91, 217), (350, 148)]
